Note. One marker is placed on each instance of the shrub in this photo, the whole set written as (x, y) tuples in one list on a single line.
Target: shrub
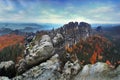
[(93, 49)]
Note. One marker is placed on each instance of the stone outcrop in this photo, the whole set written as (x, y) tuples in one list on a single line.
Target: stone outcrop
[(45, 71), (57, 39), (38, 53), (81, 27), (98, 71), (4, 78), (7, 69), (51, 70), (73, 31), (84, 29), (70, 70), (47, 58)]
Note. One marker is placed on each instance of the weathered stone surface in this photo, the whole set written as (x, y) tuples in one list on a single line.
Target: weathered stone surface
[(39, 52), (57, 39), (98, 71), (21, 66), (7, 69), (45, 38), (44, 71), (4, 78), (70, 69)]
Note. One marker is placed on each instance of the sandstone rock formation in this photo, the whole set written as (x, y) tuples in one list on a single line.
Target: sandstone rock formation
[(7, 69), (48, 58), (38, 53), (51, 70), (45, 71), (57, 39), (73, 31), (98, 71), (4, 78)]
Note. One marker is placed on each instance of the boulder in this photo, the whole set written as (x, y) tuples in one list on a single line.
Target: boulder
[(98, 71), (39, 52), (45, 38), (53, 63), (21, 66), (57, 39), (48, 70), (7, 69), (4, 78), (71, 69)]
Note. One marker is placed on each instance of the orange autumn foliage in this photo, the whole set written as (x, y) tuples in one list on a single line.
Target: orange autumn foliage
[(100, 57), (90, 50), (96, 54), (10, 39), (74, 46), (108, 62), (93, 58), (68, 49), (118, 62)]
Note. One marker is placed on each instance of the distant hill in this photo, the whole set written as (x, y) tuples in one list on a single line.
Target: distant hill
[(5, 31), (6, 28), (104, 25)]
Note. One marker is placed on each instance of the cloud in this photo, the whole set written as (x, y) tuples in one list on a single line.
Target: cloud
[(9, 6), (57, 11), (103, 9)]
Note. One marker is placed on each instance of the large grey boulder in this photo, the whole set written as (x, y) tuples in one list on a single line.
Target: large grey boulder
[(39, 52), (70, 70), (45, 38), (48, 70), (7, 69), (21, 66), (98, 71), (4, 78)]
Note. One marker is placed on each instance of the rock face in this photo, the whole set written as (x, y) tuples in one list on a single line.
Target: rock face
[(4, 78), (39, 52), (7, 69), (21, 66), (81, 27), (98, 71), (48, 70), (45, 38), (51, 70), (84, 29), (70, 70), (29, 37), (57, 39), (73, 31)]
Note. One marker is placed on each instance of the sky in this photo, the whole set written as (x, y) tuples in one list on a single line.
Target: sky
[(60, 11)]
